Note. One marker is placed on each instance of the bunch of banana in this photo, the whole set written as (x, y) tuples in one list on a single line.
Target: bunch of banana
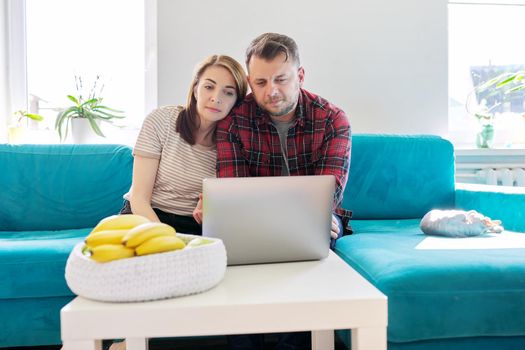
[(104, 243), (124, 236)]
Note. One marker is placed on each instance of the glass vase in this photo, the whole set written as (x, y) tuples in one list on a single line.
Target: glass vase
[(485, 137)]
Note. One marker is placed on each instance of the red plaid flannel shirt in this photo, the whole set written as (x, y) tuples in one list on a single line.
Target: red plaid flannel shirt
[(319, 143)]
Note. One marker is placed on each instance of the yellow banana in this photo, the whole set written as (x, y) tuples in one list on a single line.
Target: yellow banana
[(120, 222), (105, 237), (109, 252), (160, 244), (136, 236)]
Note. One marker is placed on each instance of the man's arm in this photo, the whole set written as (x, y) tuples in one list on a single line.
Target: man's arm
[(230, 161), (334, 154), (334, 159)]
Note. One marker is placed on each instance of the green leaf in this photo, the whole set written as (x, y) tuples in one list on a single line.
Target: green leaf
[(506, 81), (109, 109), (90, 102), (65, 115), (488, 83), (516, 88), (94, 126), (73, 98), (109, 114), (36, 117), (101, 116)]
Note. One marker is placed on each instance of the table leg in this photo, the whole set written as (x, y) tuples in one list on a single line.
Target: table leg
[(323, 340), (82, 345), (137, 344), (369, 338)]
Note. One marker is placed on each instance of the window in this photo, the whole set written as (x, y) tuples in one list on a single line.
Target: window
[(484, 41), (66, 41)]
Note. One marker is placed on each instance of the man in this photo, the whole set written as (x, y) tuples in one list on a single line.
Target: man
[(281, 129)]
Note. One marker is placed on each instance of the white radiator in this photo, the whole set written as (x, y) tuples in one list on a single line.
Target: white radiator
[(491, 167), (502, 176)]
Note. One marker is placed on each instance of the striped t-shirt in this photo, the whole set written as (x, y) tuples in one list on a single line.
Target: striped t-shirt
[(182, 166)]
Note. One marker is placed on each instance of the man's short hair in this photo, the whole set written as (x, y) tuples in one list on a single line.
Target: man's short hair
[(269, 45)]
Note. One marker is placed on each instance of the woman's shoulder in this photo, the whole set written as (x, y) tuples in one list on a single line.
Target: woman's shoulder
[(166, 112)]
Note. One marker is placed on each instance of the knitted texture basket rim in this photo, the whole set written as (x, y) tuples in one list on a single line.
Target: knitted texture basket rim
[(149, 277)]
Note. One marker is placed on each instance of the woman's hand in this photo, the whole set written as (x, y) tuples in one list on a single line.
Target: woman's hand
[(197, 212)]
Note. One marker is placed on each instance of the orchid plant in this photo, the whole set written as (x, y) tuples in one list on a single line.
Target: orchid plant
[(90, 108)]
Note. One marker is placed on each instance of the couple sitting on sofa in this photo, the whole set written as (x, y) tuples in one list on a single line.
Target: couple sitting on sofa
[(279, 129)]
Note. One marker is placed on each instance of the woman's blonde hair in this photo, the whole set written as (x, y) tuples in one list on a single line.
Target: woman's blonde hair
[(188, 121)]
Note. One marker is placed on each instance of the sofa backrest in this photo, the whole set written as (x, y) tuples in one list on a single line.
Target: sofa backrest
[(399, 176), (53, 187)]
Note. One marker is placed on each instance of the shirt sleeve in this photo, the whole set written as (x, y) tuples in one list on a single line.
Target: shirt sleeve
[(152, 134), (334, 159), (230, 161)]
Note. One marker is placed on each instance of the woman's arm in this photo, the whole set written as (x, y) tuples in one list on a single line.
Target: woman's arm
[(144, 175)]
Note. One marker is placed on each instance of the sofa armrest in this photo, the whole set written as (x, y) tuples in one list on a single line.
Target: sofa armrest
[(497, 202)]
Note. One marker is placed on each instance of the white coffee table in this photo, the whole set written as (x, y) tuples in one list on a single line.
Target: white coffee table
[(317, 295)]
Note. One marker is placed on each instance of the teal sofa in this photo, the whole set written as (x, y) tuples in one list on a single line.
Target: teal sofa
[(439, 299), (50, 198), (52, 195)]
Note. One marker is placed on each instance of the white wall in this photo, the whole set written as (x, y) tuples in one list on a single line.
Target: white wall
[(384, 62)]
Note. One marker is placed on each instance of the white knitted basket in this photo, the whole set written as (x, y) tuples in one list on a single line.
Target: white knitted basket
[(149, 277)]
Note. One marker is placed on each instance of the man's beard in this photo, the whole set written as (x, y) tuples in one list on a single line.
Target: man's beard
[(284, 111)]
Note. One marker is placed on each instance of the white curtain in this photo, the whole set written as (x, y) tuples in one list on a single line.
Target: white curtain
[(4, 95)]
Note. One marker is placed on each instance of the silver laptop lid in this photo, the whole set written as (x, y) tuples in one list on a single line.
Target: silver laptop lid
[(270, 219)]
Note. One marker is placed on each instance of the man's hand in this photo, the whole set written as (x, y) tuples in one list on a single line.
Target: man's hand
[(197, 212), (334, 233)]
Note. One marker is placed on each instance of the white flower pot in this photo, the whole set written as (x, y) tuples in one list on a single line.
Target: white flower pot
[(15, 134), (82, 132)]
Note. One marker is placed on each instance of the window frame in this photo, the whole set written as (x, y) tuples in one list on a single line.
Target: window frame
[(458, 135), (17, 57)]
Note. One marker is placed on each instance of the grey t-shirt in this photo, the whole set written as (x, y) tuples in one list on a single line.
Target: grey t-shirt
[(282, 130)]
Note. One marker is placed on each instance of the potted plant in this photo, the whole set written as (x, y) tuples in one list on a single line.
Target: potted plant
[(85, 113), (498, 90), (17, 130)]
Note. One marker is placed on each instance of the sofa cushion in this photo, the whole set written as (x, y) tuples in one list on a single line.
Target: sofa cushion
[(53, 187), (399, 176), (32, 264), (31, 321), (435, 294)]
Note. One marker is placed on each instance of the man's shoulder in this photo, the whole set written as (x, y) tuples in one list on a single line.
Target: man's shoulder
[(243, 113), (246, 109), (239, 115), (319, 105)]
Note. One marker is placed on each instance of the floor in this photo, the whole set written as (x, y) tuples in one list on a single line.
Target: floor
[(212, 343)]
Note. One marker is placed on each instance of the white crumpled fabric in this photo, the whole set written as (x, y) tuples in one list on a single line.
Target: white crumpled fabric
[(458, 223)]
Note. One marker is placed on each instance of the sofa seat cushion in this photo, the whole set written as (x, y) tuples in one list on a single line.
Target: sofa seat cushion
[(32, 263), (434, 294)]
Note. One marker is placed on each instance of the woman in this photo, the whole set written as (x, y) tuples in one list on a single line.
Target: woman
[(175, 149)]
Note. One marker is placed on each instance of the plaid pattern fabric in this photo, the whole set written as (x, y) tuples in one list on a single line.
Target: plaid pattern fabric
[(319, 143)]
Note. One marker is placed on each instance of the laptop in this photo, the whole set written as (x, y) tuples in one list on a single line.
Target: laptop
[(270, 219)]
